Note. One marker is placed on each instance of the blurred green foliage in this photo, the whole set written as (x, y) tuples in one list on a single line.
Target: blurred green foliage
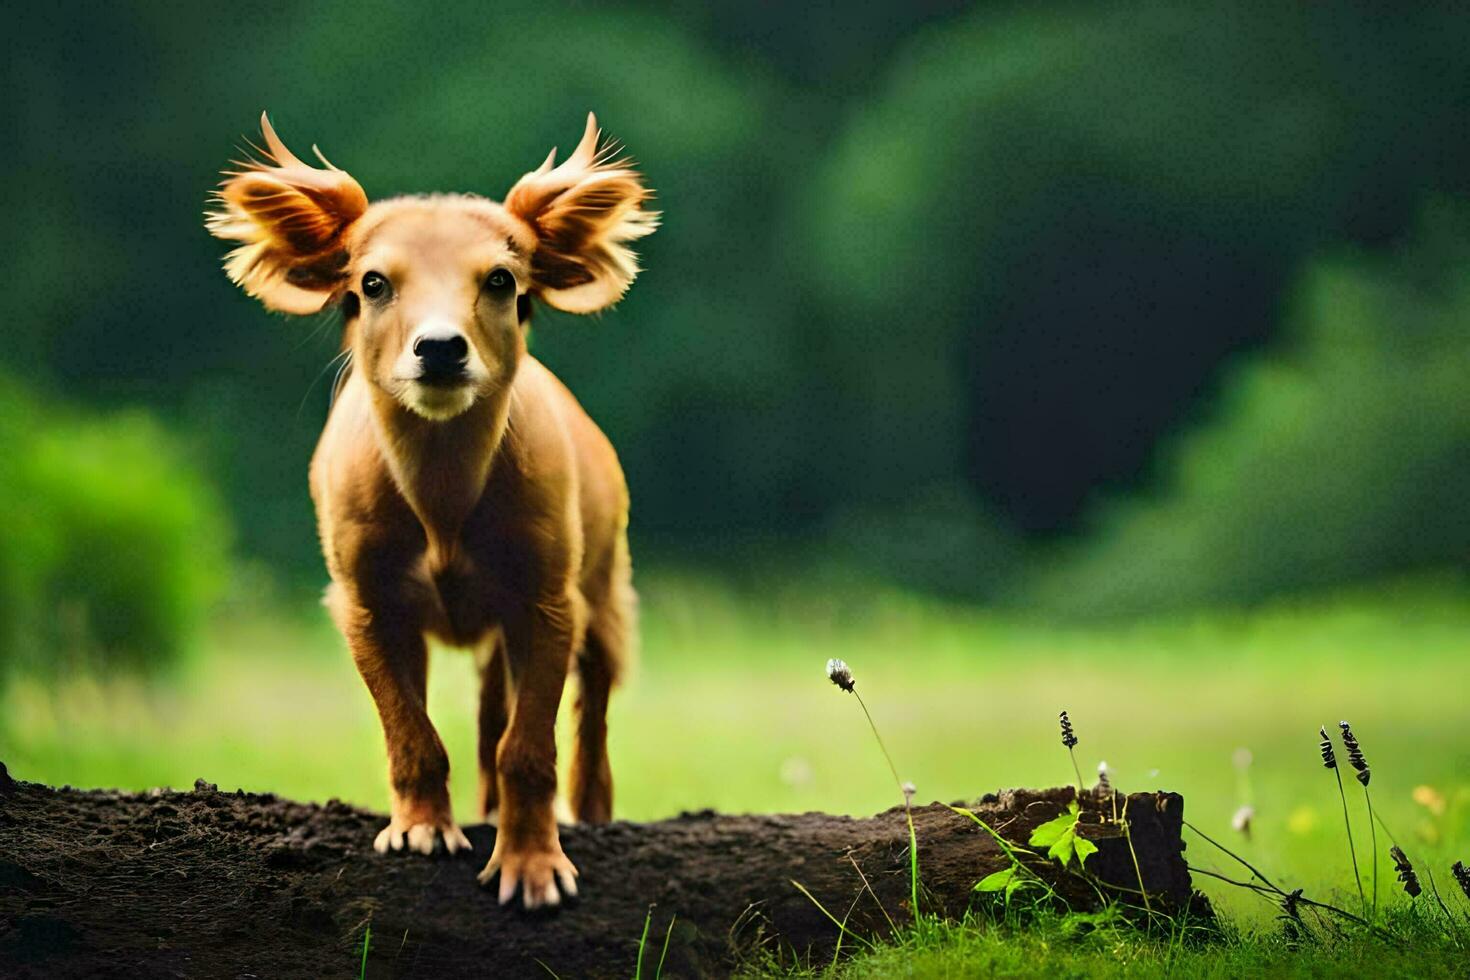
[(933, 277), (1343, 455), (1033, 248), (115, 544)]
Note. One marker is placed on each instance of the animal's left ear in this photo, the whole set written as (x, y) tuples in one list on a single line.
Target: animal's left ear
[(584, 213), (291, 220)]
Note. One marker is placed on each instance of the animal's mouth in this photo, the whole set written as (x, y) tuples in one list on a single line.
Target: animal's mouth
[(442, 379)]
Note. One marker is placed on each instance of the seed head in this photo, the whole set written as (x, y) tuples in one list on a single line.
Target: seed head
[(1329, 757), (1355, 754), (839, 674), (1462, 876), (1104, 779), (1069, 737), (1242, 820), (1406, 871), (909, 789)]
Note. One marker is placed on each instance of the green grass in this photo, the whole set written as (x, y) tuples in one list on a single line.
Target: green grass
[(966, 700), (1106, 946)]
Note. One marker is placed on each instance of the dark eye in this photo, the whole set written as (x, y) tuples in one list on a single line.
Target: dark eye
[(499, 281), (374, 285)]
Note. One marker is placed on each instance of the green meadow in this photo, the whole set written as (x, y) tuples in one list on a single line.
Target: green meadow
[(729, 708)]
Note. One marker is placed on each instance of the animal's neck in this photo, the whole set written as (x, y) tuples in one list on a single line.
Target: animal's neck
[(441, 467)]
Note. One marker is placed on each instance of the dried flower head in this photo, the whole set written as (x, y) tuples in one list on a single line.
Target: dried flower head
[(1104, 779), (1462, 876), (1242, 820), (1329, 757), (909, 789), (839, 674), (1355, 754), (1069, 737), (1406, 871), (1289, 903)]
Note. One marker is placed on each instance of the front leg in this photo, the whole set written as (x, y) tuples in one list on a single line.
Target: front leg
[(392, 657), (528, 853)]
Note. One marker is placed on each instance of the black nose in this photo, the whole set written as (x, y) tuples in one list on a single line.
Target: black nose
[(441, 356)]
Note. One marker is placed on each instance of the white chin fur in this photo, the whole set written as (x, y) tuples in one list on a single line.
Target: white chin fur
[(438, 404)]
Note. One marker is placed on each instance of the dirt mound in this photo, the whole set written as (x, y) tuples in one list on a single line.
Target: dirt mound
[(210, 883)]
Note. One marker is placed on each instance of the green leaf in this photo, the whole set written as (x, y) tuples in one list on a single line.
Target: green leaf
[(1050, 832), (1062, 849), (997, 881), (1059, 836)]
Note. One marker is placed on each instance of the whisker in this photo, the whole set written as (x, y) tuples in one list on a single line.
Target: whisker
[(341, 378), (344, 356)]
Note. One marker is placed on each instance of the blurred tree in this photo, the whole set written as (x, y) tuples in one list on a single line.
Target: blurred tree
[(1034, 248), (1345, 454), (924, 266)]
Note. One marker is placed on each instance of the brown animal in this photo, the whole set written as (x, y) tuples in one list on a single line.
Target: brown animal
[(461, 491)]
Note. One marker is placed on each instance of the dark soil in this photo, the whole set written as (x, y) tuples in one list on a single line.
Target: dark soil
[(217, 884)]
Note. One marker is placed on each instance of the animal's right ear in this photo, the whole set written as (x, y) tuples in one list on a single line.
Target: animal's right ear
[(292, 220)]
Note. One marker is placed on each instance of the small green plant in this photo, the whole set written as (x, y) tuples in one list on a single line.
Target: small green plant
[(1013, 879), (658, 970), (1059, 836), (367, 940)]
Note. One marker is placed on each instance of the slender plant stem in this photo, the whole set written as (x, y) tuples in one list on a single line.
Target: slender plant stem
[(907, 812), (1078, 770), (888, 758), (1304, 900), (1439, 901), (1352, 851), (1251, 868), (1128, 836), (1373, 838), (841, 925), (669, 934), (1391, 838), (891, 927), (835, 952), (643, 943)]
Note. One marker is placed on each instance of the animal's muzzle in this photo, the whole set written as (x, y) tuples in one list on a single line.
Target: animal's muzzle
[(442, 357)]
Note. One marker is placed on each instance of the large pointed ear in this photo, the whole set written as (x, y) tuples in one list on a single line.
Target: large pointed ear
[(292, 221), (584, 212)]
